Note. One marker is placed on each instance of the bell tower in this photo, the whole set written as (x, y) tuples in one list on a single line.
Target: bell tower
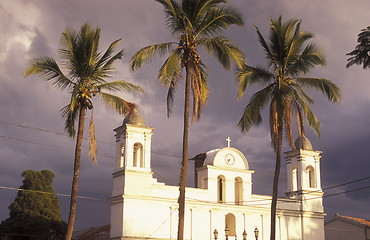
[(133, 148), (132, 176), (133, 143), (303, 170)]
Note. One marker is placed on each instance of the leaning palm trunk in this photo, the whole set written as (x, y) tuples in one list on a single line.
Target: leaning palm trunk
[(184, 163), (275, 188), (76, 172)]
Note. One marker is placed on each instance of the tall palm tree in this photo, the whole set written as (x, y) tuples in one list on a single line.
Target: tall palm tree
[(288, 57), (195, 24), (361, 54), (87, 70)]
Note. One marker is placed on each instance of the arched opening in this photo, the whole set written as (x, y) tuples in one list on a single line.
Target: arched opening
[(230, 224), (203, 183), (122, 156), (238, 191), (138, 155), (221, 189), (294, 180), (311, 177)]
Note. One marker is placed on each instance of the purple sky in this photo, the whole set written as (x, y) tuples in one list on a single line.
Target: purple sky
[(32, 28)]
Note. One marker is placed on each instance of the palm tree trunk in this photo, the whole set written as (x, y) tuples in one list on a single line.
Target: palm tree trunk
[(184, 163), (76, 171), (276, 184)]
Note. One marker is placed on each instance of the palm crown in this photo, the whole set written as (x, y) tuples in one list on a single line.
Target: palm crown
[(87, 71), (361, 54), (196, 23), (287, 58)]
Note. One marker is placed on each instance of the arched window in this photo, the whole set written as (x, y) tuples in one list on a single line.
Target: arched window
[(138, 155), (203, 183), (121, 162), (221, 188), (230, 224), (238, 191), (311, 177), (294, 180)]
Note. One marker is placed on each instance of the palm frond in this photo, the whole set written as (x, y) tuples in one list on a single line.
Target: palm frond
[(70, 114), (116, 103), (200, 89), (173, 14), (361, 53), (251, 76), (203, 6), (147, 53), (280, 33), (311, 118), (303, 93), (218, 19), (252, 112), (48, 69), (295, 43), (299, 119), (119, 85), (108, 53), (104, 71), (265, 47), (309, 58), (171, 96), (68, 42), (223, 50), (288, 122), (327, 87), (171, 68), (92, 140)]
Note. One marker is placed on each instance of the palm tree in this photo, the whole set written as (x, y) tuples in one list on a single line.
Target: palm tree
[(288, 57), (361, 54), (195, 24), (87, 70)]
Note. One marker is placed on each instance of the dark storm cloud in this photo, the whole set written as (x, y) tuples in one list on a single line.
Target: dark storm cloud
[(32, 28)]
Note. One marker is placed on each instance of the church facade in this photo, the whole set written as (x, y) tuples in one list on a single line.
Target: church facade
[(222, 201)]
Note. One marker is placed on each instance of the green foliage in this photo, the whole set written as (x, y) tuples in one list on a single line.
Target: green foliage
[(287, 59), (87, 70), (196, 24), (35, 213), (361, 54)]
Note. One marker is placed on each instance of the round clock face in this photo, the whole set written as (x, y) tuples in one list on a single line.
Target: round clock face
[(229, 159)]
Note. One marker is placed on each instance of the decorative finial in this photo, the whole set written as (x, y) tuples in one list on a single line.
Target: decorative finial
[(228, 140)]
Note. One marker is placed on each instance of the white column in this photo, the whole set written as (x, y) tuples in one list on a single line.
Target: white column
[(210, 225)]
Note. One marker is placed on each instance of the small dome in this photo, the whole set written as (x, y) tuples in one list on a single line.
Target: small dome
[(134, 118), (305, 144)]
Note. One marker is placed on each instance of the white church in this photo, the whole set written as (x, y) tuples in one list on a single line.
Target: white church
[(222, 201)]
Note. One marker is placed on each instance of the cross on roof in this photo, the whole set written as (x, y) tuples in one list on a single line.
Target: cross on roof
[(228, 140)]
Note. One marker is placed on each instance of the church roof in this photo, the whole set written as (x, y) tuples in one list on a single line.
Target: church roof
[(354, 219), (303, 143), (218, 157), (134, 118), (93, 233)]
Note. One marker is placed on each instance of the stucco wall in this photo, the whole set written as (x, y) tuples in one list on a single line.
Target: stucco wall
[(340, 230)]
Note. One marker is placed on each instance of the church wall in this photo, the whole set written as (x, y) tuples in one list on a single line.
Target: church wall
[(143, 208), (340, 230), (203, 216), (116, 229)]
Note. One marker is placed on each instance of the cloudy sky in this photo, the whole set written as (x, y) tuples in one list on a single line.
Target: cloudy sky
[(31, 129)]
